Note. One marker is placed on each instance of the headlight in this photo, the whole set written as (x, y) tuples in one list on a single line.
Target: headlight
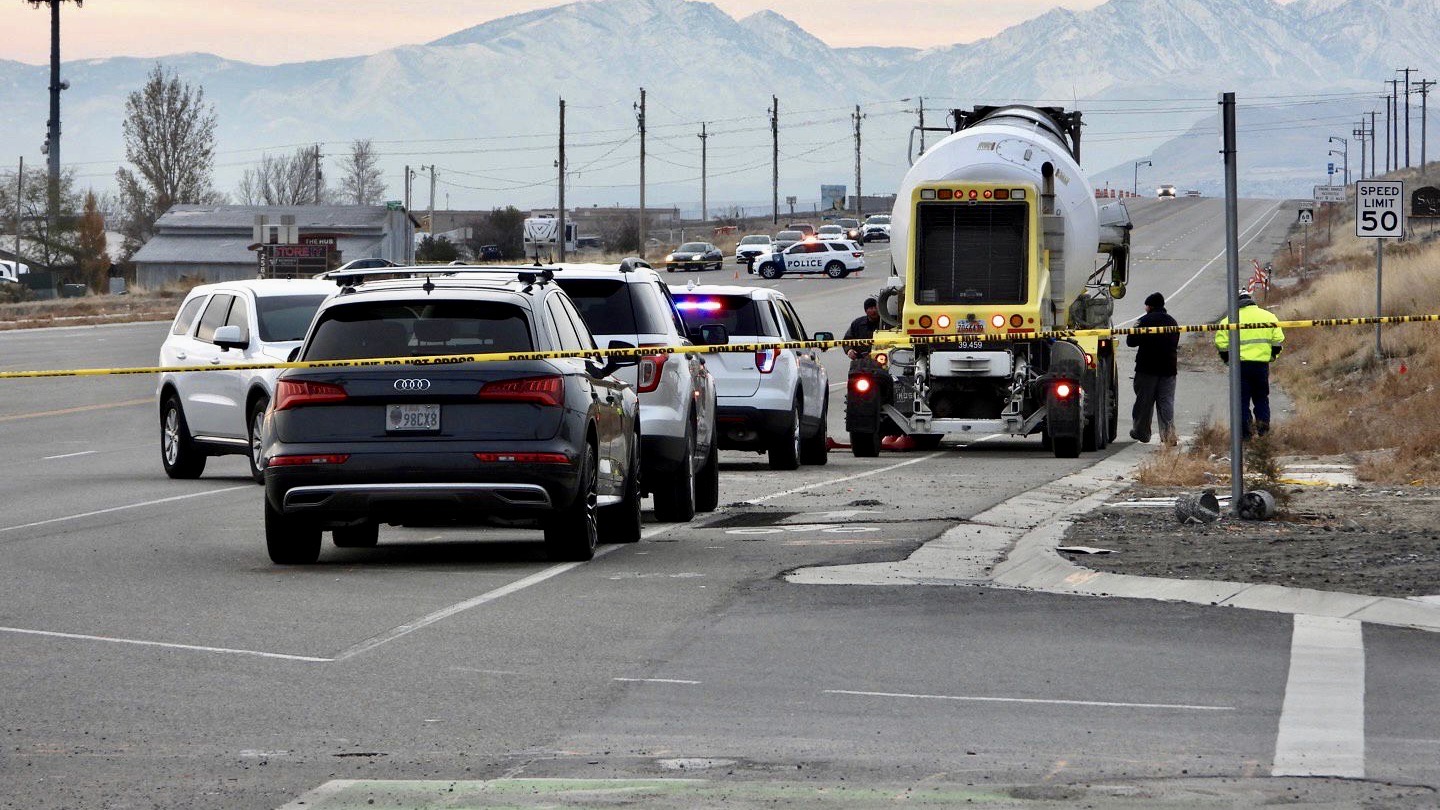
[(902, 357), (670, 258)]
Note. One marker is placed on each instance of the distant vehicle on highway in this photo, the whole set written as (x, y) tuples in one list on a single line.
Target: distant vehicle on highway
[(215, 413), (1165, 192), (1192, 192), (836, 259), (803, 227), (490, 253), (695, 256), (785, 239), (877, 227), (753, 245), (830, 233), (366, 264), (853, 229)]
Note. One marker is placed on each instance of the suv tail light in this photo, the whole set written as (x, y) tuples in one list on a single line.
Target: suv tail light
[(649, 370), (765, 360), (298, 393), (307, 461), (538, 390)]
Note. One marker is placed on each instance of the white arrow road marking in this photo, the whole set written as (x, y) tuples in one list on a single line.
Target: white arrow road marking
[(1322, 722)]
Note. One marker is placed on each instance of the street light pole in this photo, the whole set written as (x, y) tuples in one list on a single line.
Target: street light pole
[(1346, 153), (1135, 185)]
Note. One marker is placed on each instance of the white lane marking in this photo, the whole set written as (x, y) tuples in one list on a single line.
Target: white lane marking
[(1259, 229), (71, 455), (113, 640), (972, 698), (656, 680), (484, 598), (1322, 722), (841, 480), (314, 798), (171, 499)]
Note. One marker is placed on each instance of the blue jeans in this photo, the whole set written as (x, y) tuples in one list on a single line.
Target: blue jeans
[(1254, 390)]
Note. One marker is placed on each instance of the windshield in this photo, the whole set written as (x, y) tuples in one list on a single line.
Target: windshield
[(737, 313), (789, 236), (755, 240), (693, 247), (286, 317), (878, 220), (847, 223), (610, 307), (418, 329), (831, 229)]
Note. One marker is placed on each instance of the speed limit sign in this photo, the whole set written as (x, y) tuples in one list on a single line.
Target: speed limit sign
[(1379, 210)]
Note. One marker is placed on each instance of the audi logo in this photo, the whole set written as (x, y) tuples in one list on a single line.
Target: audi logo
[(412, 385)]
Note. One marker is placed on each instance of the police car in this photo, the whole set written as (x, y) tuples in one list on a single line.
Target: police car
[(834, 259)]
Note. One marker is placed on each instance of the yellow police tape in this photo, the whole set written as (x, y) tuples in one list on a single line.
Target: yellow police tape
[(880, 340)]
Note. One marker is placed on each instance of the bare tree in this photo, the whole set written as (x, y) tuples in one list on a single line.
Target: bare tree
[(170, 140), (361, 184), (282, 180), (40, 245)]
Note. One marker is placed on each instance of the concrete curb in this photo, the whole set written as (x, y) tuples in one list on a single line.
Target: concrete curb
[(1035, 521)]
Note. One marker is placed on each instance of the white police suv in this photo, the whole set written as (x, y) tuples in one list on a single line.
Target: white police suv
[(835, 259)]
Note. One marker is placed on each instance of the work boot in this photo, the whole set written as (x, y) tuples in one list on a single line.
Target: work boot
[(1135, 434)]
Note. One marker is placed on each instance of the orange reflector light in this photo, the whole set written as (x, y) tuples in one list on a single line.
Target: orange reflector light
[(1063, 390), (861, 385), (1017, 320), (943, 321), (1002, 193), (997, 320), (925, 321), (946, 194), (1089, 360), (973, 195), (882, 358), (988, 194)]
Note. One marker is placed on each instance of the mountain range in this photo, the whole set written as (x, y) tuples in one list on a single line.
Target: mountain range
[(481, 104)]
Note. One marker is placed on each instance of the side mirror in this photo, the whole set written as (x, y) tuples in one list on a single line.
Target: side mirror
[(611, 364), (293, 355), (824, 336), (230, 337)]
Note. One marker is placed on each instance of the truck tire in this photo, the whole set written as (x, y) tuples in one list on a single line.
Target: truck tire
[(864, 445), (1066, 446), (1112, 418), (1097, 421), (768, 270)]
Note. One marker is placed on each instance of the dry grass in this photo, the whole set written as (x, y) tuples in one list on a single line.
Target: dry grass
[(138, 305), (1178, 467)]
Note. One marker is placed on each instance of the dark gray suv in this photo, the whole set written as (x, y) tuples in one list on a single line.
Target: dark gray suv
[(550, 443)]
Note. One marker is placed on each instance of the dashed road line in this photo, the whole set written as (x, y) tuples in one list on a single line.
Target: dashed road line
[(1046, 701)]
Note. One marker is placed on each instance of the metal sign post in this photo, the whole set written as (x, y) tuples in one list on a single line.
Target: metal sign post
[(1379, 214), (1232, 267)]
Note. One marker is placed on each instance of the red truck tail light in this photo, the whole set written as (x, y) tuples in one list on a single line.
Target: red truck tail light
[(298, 393), (1063, 390), (307, 460), (766, 360), (538, 390), (861, 385), (650, 368)]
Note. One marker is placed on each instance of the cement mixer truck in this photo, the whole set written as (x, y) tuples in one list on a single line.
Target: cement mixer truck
[(996, 238)]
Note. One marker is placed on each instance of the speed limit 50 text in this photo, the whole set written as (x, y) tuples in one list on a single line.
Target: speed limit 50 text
[(1379, 209)]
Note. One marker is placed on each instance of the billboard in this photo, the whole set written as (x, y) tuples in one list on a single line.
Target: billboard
[(832, 198)]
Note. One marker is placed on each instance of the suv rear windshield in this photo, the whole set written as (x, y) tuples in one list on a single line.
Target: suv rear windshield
[(418, 329), (789, 236), (739, 314), (612, 307), (286, 317)]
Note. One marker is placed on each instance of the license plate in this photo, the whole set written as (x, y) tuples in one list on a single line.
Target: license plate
[(412, 417)]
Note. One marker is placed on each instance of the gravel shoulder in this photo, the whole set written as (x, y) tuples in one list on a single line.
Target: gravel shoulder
[(1363, 539)]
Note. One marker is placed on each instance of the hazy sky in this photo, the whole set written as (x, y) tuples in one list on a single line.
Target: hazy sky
[(274, 31)]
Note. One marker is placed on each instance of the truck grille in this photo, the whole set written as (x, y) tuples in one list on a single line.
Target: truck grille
[(971, 254)]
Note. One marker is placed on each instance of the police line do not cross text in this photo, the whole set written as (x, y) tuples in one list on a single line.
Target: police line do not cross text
[(1379, 209)]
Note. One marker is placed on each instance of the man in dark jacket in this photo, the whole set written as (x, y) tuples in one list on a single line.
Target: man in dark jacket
[(863, 327), (1155, 371)]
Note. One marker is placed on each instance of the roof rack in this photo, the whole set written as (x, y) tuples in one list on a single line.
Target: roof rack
[(525, 274)]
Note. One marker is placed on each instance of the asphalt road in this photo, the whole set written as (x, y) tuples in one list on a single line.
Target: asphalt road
[(151, 656)]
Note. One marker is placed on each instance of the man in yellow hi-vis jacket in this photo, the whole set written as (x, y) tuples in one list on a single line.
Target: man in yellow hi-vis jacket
[(1261, 339)]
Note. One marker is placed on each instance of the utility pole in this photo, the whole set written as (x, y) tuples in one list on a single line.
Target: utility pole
[(1387, 132), (560, 249), (319, 177), (1424, 91), (1135, 187), (19, 194), (1407, 71), (1359, 134), (1374, 149), (775, 159), (704, 201), (640, 120), (1232, 262), (52, 131), (859, 197), (1395, 117), (1346, 154), (431, 229), (922, 124)]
